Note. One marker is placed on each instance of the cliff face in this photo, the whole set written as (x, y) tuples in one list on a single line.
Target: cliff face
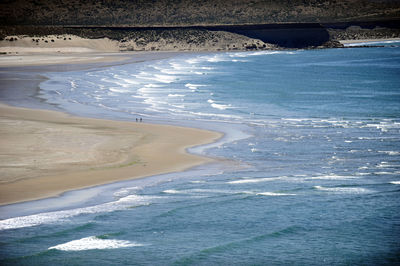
[(190, 12)]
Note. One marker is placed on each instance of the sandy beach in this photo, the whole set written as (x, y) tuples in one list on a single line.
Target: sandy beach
[(45, 153)]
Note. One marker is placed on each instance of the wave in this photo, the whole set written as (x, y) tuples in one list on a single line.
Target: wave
[(216, 115), (165, 78), (123, 192), (156, 77), (387, 165), (73, 85), (230, 192), (217, 58), (176, 95), (387, 173), (194, 87), (198, 182), (391, 153), (296, 178), (52, 217), (332, 177), (93, 242), (248, 54), (219, 106), (256, 180), (274, 194), (395, 182), (371, 43), (118, 90), (349, 190), (173, 191)]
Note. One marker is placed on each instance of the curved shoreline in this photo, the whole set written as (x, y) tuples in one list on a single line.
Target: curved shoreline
[(53, 152), (46, 153)]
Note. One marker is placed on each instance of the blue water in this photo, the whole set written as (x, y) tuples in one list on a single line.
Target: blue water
[(312, 140)]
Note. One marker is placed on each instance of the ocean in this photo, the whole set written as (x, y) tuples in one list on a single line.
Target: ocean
[(310, 176)]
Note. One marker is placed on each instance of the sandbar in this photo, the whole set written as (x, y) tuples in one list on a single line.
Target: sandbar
[(45, 153)]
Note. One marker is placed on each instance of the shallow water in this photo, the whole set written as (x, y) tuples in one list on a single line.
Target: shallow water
[(315, 140)]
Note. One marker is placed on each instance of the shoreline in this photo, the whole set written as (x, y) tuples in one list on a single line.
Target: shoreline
[(47, 143), (138, 150), (116, 168), (368, 40)]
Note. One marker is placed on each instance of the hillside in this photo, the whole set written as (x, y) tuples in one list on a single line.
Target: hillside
[(208, 25), (189, 12)]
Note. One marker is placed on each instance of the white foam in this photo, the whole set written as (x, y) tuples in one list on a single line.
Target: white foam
[(370, 43), (173, 191), (216, 58), (189, 61), (387, 165), (391, 153), (349, 190), (221, 106), (118, 90), (151, 85), (52, 217), (130, 81), (331, 177), (73, 85), (176, 95), (123, 192), (258, 53), (218, 191), (274, 194), (177, 106), (156, 77), (173, 71), (256, 180), (194, 87), (216, 115), (165, 78), (198, 182), (386, 173), (93, 242), (395, 182)]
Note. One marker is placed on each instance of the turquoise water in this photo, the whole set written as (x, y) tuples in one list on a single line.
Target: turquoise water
[(313, 139)]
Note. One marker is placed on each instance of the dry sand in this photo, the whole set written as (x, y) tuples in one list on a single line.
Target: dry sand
[(45, 153), (53, 49)]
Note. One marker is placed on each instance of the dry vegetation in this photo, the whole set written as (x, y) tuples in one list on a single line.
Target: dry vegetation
[(189, 12)]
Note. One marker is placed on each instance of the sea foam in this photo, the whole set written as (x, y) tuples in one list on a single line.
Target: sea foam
[(256, 180), (93, 242), (349, 190), (52, 217)]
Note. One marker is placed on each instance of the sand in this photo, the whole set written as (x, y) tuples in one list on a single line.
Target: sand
[(56, 49), (45, 153)]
